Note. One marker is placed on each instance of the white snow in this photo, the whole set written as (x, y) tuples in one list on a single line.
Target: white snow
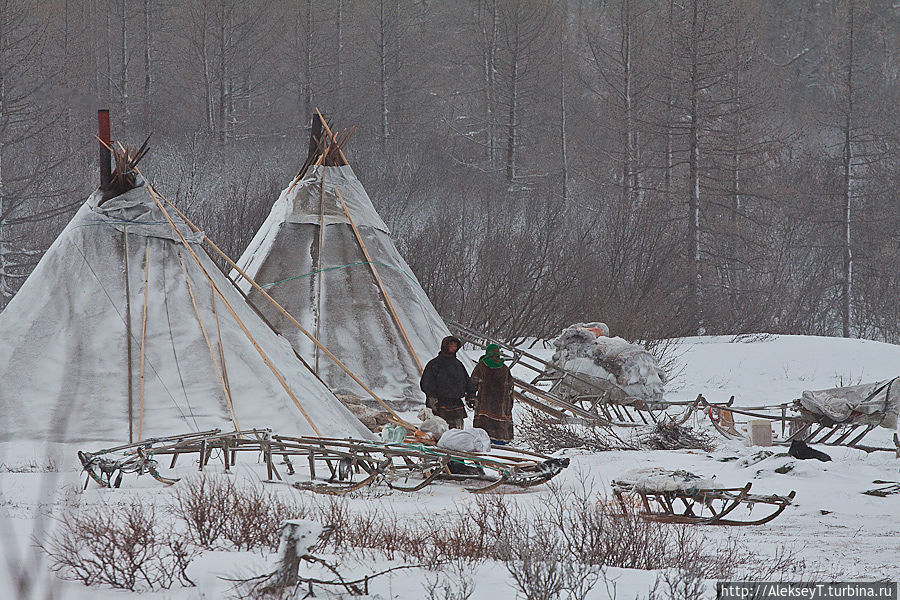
[(838, 531)]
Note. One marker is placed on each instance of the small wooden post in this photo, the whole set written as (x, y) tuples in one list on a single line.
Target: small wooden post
[(288, 573)]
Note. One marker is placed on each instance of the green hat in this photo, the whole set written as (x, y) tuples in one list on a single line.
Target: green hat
[(492, 356)]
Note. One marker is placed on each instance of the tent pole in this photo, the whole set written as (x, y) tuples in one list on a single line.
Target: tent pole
[(144, 334), (366, 254), (212, 354), (221, 347), (319, 275), (387, 299), (396, 418), (128, 339), (231, 310)]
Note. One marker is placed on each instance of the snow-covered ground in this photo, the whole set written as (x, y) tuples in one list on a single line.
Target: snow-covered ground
[(839, 532)]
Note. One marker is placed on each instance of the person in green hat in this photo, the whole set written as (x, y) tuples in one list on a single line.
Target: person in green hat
[(493, 401)]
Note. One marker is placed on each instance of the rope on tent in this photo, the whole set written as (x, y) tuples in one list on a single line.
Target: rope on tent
[(212, 354), (115, 307), (387, 299), (144, 334), (268, 286), (395, 417), (231, 310), (187, 400)]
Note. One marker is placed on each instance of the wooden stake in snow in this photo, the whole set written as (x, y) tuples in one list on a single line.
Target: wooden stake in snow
[(298, 538)]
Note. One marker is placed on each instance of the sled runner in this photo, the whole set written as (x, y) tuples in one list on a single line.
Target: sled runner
[(681, 497), (833, 417), (349, 464)]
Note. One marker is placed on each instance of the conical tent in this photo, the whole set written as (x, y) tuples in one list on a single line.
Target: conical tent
[(327, 257), (127, 330)]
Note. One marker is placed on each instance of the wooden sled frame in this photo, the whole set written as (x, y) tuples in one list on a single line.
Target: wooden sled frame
[(394, 463), (699, 506), (834, 434)]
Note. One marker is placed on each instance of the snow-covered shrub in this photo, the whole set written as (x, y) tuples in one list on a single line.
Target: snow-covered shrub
[(453, 581), (202, 503), (213, 507), (125, 546), (537, 562), (255, 514)]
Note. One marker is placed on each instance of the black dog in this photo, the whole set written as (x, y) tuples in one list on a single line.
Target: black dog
[(802, 451)]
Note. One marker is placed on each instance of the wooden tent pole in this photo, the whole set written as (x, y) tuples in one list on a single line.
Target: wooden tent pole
[(128, 339), (231, 310), (144, 334), (212, 353), (319, 274), (396, 418), (221, 345), (365, 251), (331, 135), (387, 299)]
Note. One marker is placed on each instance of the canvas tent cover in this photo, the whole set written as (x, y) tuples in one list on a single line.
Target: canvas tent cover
[(340, 297), (870, 404), (64, 358)]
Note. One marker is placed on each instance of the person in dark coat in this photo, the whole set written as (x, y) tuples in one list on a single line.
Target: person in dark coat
[(493, 404), (445, 382)]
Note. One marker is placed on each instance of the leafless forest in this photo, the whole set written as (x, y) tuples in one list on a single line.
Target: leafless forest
[(724, 166)]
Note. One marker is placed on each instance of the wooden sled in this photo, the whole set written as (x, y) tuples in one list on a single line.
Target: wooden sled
[(699, 506), (606, 405), (349, 464), (803, 427), (411, 466)]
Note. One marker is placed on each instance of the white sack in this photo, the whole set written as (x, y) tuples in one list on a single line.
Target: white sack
[(472, 439)]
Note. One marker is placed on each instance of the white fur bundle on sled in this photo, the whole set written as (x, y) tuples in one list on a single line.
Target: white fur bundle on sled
[(586, 350)]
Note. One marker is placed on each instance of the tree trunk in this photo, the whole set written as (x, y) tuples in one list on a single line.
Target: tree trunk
[(382, 47), (492, 85), (109, 73), (512, 124), (148, 77), (628, 162), (847, 287), (5, 289), (307, 98), (670, 98), (340, 47), (123, 84), (563, 145), (207, 78), (696, 274), (221, 77)]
